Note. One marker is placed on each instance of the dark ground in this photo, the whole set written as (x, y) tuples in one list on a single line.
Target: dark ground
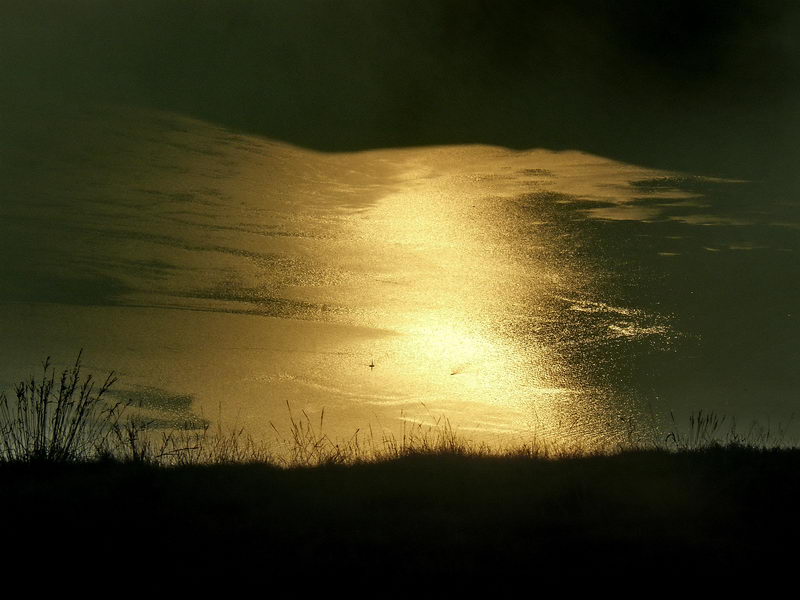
[(445, 521)]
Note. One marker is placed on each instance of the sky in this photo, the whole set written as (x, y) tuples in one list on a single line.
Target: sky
[(706, 87)]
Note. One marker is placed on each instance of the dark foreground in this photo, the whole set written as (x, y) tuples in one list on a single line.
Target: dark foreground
[(450, 521)]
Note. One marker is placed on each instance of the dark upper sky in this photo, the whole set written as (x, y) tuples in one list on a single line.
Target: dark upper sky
[(710, 87)]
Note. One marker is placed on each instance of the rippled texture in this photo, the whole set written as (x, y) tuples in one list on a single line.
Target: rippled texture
[(555, 294)]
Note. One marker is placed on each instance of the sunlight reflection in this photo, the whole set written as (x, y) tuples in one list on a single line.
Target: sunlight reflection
[(459, 293), (503, 289)]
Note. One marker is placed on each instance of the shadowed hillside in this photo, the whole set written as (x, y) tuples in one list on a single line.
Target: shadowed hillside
[(707, 87)]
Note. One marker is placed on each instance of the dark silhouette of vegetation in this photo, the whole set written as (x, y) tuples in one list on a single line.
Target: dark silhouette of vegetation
[(58, 419), (427, 505), (69, 418)]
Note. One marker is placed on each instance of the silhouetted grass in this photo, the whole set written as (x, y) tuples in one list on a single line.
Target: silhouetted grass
[(68, 418), (57, 419), (427, 507)]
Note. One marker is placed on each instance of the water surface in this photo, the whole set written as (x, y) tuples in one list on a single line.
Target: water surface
[(517, 293)]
